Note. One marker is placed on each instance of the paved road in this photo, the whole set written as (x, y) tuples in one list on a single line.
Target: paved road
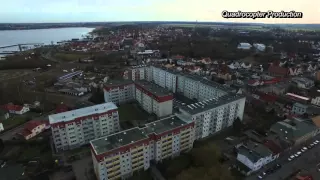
[(306, 161)]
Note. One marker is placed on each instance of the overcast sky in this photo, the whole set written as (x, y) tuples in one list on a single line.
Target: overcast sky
[(150, 10)]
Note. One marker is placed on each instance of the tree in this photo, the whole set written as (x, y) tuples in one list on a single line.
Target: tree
[(237, 125), (200, 156)]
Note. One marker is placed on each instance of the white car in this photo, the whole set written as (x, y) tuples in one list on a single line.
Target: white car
[(302, 150), (317, 141), (305, 148), (289, 159), (298, 152)]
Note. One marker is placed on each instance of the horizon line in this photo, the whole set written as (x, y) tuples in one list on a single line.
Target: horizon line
[(162, 22)]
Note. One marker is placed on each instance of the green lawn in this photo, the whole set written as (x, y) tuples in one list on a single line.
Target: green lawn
[(130, 112), (13, 121)]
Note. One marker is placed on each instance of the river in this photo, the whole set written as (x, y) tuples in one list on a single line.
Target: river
[(46, 36)]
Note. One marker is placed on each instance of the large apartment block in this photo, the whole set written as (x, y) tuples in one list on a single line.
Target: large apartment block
[(153, 98), (74, 128), (136, 73), (119, 155), (163, 77), (212, 115), (196, 87), (119, 92)]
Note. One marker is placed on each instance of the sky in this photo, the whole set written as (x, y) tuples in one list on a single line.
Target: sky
[(36, 11)]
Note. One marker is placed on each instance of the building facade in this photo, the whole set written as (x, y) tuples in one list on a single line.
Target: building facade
[(163, 77), (153, 98), (74, 128), (254, 155), (119, 155), (119, 92), (213, 115), (195, 87), (136, 72)]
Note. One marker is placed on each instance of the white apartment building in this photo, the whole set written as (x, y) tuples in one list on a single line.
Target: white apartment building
[(163, 77), (119, 155), (153, 98), (195, 87), (212, 115), (254, 155), (119, 92), (74, 128), (136, 72)]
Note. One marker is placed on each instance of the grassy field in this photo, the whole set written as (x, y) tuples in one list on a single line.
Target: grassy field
[(70, 56), (13, 121), (131, 112)]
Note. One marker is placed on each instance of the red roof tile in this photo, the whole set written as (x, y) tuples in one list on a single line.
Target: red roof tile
[(33, 124), (278, 70), (10, 107)]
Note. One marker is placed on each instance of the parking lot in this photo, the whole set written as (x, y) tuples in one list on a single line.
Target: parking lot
[(304, 157)]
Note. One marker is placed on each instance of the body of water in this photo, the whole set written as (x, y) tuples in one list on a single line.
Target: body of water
[(45, 36)]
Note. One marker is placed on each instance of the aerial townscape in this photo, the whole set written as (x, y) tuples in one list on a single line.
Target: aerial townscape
[(160, 100)]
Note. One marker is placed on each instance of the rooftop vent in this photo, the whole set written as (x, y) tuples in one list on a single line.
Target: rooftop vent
[(106, 139), (171, 123), (124, 133)]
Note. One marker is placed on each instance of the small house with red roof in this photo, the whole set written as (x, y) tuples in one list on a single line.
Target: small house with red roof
[(33, 128), (15, 109)]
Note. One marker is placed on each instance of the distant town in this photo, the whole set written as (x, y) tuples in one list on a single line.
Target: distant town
[(163, 101)]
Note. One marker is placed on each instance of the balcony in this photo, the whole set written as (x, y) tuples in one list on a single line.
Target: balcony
[(136, 160), (185, 147), (166, 143), (185, 141), (136, 149), (139, 166), (113, 169), (113, 158)]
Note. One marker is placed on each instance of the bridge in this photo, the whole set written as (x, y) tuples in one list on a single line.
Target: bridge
[(20, 45)]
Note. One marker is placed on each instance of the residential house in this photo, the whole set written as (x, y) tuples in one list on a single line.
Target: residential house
[(33, 128), (295, 71), (259, 47), (315, 97), (4, 114), (295, 130), (244, 46), (299, 108), (303, 83), (254, 155), (1, 127), (15, 109), (206, 61)]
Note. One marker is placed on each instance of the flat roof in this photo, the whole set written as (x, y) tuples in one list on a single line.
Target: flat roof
[(133, 135), (71, 115), (164, 125), (117, 140), (205, 105), (117, 82), (209, 83), (153, 88)]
